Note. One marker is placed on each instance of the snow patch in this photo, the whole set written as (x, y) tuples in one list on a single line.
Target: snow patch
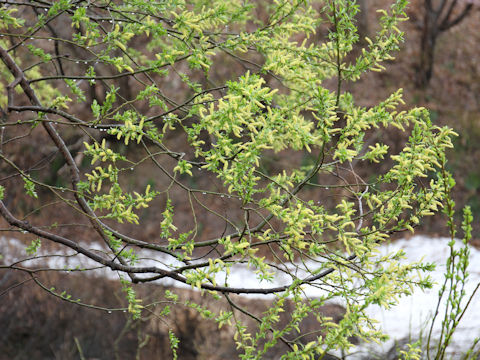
[(407, 319)]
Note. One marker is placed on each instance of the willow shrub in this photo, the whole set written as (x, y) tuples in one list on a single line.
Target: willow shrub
[(215, 90)]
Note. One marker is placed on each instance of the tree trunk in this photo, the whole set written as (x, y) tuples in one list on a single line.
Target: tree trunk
[(427, 48), (439, 16), (362, 20)]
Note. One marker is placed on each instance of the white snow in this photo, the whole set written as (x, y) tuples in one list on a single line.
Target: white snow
[(411, 316), (407, 319)]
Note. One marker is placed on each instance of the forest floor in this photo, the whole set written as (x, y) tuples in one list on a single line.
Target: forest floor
[(408, 321)]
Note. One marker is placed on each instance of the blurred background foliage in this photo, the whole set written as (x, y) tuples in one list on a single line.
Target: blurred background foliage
[(452, 94)]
